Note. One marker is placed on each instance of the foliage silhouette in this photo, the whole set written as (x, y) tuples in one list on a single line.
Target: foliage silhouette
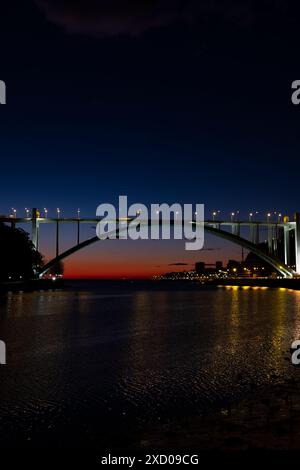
[(19, 260)]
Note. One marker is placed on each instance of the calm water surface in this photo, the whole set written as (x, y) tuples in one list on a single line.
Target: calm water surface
[(97, 360)]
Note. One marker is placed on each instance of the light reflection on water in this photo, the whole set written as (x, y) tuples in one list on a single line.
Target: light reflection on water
[(107, 353)]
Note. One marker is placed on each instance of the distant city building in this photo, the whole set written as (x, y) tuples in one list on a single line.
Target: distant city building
[(200, 267), (219, 266), (252, 267)]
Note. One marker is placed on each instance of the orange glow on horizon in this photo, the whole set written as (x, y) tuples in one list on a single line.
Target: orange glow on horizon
[(136, 260)]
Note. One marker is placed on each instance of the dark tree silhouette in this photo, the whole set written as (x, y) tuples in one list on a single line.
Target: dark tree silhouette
[(18, 257)]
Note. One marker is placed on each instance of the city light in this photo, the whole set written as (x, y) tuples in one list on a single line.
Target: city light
[(46, 212)]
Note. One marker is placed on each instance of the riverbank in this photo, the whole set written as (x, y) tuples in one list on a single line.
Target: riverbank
[(31, 285), (46, 284), (238, 282), (258, 282)]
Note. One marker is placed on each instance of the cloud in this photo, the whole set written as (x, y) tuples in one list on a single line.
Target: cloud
[(178, 264), (210, 249), (118, 17), (110, 17)]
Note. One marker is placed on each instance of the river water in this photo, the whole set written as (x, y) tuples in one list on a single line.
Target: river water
[(95, 363)]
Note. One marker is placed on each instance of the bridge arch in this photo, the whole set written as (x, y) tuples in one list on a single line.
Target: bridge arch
[(278, 265)]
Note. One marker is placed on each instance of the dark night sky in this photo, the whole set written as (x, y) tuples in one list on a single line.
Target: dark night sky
[(162, 101)]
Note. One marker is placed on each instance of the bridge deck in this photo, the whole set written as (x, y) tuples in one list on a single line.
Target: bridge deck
[(47, 220)]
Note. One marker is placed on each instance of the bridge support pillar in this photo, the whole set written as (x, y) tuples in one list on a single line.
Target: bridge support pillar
[(57, 238), (35, 228), (275, 241), (270, 239), (254, 234), (78, 232), (297, 241), (286, 245), (236, 229)]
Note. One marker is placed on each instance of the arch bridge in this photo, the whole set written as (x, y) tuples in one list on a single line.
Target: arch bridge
[(228, 230)]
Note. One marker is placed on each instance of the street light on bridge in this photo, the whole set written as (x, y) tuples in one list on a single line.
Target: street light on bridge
[(46, 212), (250, 216), (14, 212), (58, 212), (232, 216), (78, 213), (27, 212), (268, 216)]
